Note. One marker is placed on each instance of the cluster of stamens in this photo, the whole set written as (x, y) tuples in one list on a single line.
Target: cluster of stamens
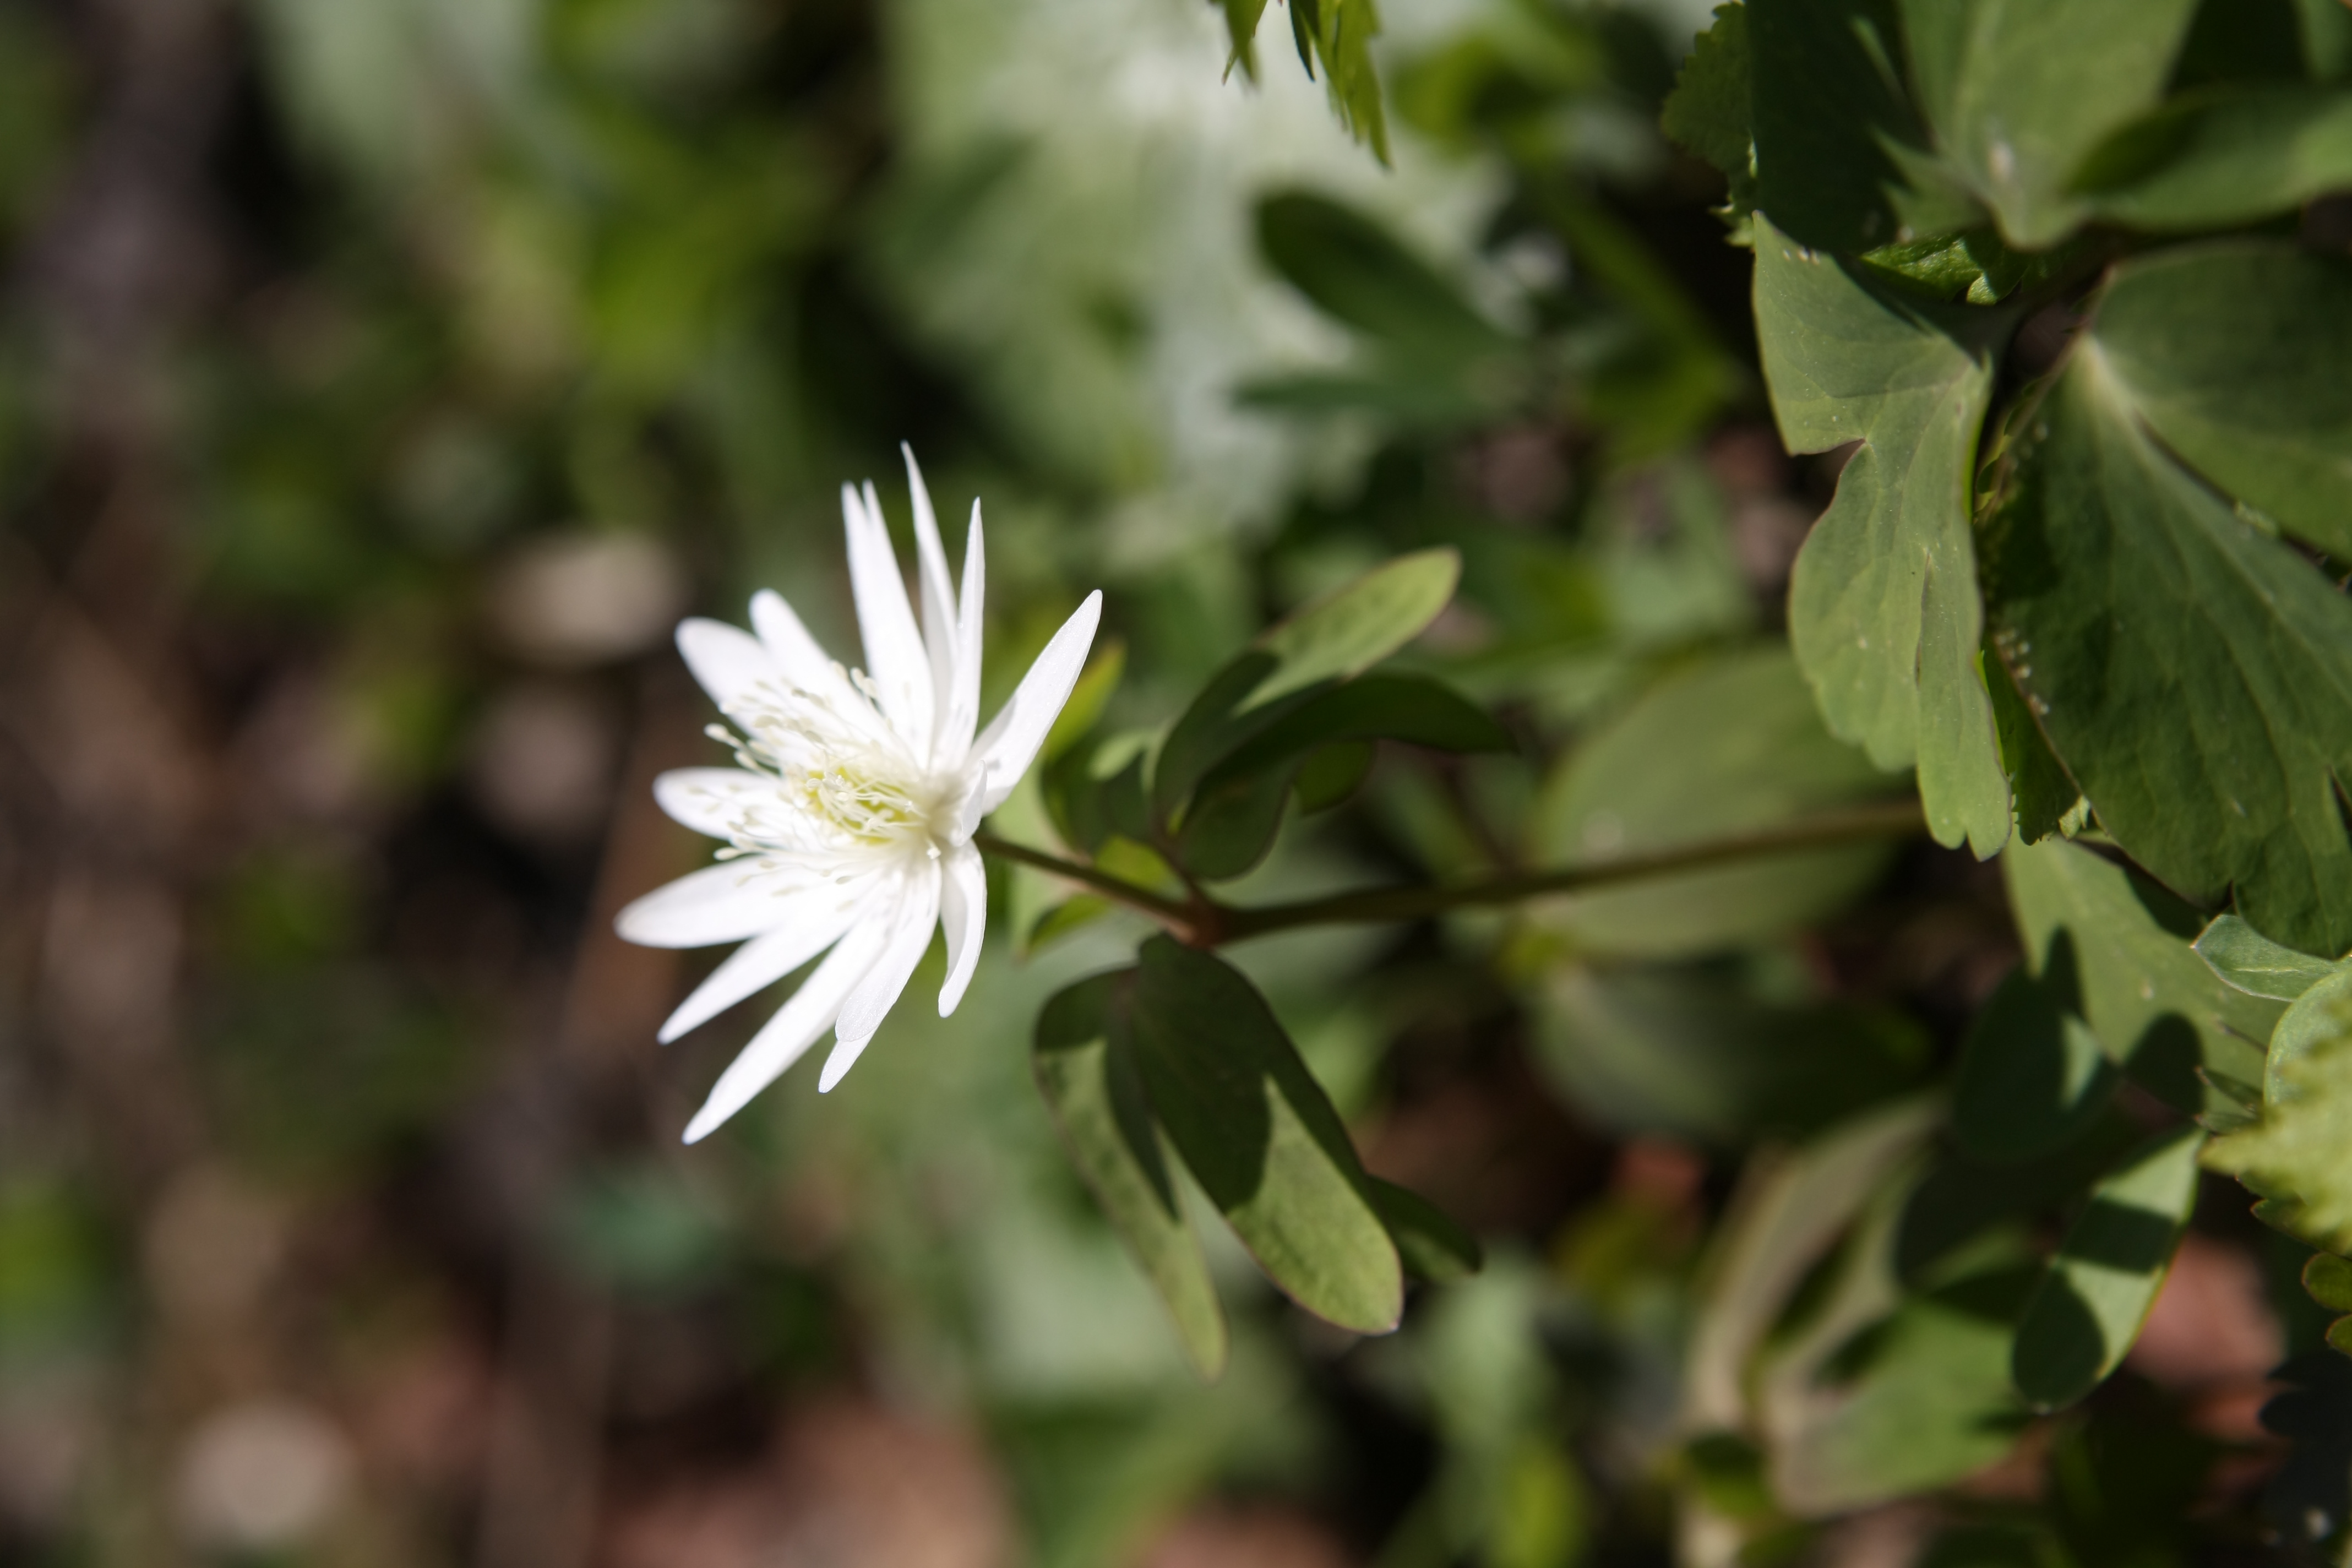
[(847, 789)]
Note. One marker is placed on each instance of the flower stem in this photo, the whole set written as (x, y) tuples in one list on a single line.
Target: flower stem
[(1220, 923)]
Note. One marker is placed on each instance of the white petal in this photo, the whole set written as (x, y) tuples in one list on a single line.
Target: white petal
[(894, 656), (938, 594), (788, 642), (909, 936), (811, 922), (719, 903), (962, 691), (963, 918), (1004, 751), (728, 661), (795, 1027), (713, 800)]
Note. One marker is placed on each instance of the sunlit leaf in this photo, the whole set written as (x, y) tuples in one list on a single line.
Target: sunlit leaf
[(1431, 1243), (1883, 609)]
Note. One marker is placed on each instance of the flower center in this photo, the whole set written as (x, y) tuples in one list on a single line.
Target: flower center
[(849, 790)]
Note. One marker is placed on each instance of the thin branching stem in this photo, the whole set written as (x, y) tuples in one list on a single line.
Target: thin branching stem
[(1209, 923)]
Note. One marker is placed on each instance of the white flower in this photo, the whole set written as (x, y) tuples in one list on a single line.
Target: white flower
[(849, 819)]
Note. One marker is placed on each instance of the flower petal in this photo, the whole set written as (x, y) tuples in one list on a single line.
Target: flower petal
[(728, 661), (895, 657), (909, 938), (719, 903), (785, 1037), (711, 801), (1009, 744), (809, 923), (962, 691), (963, 918), (788, 642), (939, 599)]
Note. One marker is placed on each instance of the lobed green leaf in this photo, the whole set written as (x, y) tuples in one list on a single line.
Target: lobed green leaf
[(1883, 610)]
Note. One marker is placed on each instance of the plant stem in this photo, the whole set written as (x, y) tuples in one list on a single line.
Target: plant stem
[(1211, 923), (1118, 889), (1882, 819)]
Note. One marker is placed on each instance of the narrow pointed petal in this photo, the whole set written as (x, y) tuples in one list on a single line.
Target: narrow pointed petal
[(962, 691), (938, 595), (728, 661), (727, 902), (797, 655), (894, 656), (867, 1006), (785, 1037), (963, 920), (1004, 751), (808, 924)]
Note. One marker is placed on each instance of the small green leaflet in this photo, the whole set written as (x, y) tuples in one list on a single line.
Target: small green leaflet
[(1341, 634), (2235, 355), (2114, 949), (2194, 676), (1339, 33), (2257, 965), (2097, 1291), (1883, 609), (1086, 1069), (2020, 91)]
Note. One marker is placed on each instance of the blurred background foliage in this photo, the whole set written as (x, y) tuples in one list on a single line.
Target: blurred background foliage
[(379, 380)]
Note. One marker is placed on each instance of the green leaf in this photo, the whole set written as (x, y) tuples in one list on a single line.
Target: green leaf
[(1732, 746), (1709, 110), (1087, 700), (1332, 638), (1835, 137), (2090, 1305), (2194, 676), (1332, 774), (2328, 1280), (2020, 91), (1257, 1132), (1241, 18), (2255, 965), (2031, 1077), (1790, 1209), (2235, 355), (1882, 606), (2048, 801), (2316, 1018), (1884, 1393), (1085, 1068), (1431, 1245), (2115, 948), (1231, 821), (2222, 159), (1961, 1198), (1687, 1052), (1357, 272)]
